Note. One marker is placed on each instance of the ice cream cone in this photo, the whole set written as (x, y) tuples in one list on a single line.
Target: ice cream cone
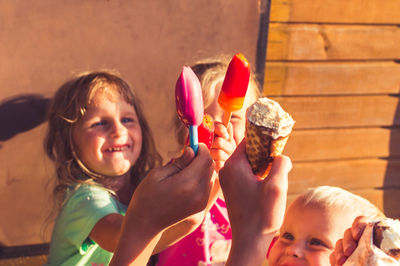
[(386, 236), (267, 131)]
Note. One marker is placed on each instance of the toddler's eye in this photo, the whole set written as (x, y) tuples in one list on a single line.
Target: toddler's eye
[(316, 242), (287, 236)]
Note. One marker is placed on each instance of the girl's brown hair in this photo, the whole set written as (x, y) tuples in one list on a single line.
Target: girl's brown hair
[(68, 107)]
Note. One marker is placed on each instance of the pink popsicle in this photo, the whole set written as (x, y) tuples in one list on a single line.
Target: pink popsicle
[(189, 103)]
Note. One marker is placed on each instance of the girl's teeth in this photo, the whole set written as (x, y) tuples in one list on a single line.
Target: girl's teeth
[(116, 149)]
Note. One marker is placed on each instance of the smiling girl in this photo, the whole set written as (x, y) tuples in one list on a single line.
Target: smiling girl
[(102, 148)]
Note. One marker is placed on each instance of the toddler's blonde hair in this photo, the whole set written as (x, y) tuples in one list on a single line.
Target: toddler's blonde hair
[(335, 197)]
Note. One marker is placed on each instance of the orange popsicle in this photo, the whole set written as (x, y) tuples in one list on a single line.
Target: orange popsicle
[(234, 87)]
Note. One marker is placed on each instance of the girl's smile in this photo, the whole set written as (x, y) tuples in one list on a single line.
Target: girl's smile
[(118, 148)]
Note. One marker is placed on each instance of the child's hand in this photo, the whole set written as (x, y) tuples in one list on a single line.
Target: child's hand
[(166, 195), (223, 145), (256, 206), (252, 201), (345, 247), (176, 190)]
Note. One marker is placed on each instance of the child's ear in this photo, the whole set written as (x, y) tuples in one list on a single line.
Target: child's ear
[(272, 243)]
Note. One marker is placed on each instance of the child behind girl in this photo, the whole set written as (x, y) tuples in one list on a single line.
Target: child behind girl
[(102, 148), (210, 243), (313, 223)]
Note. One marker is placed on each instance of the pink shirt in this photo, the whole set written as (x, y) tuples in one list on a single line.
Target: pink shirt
[(209, 244)]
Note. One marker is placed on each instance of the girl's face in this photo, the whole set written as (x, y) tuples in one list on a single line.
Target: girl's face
[(238, 118), (308, 236), (108, 138)]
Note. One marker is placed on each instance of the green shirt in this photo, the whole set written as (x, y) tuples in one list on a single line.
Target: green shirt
[(70, 242)]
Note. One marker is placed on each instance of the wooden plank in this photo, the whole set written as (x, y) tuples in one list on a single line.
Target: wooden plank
[(386, 200), (328, 78), (336, 11), (25, 260), (348, 174), (346, 143), (332, 42), (342, 111)]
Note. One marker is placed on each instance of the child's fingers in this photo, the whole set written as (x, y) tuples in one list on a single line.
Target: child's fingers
[(281, 166), (226, 133), (349, 245), (240, 151), (202, 163), (234, 164), (332, 259), (220, 154), (230, 132), (221, 149), (196, 179), (220, 130), (177, 164), (358, 227), (338, 258), (219, 165)]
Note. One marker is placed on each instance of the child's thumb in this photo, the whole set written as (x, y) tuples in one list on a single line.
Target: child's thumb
[(280, 169), (178, 164)]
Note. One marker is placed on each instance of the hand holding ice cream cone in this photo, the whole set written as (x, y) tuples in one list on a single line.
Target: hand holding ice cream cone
[(268, 128)]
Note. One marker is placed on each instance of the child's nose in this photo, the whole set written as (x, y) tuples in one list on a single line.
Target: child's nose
[(118, 129), (295, 250)]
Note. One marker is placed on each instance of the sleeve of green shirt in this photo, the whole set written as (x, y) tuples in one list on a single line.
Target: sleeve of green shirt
[(87, 205)]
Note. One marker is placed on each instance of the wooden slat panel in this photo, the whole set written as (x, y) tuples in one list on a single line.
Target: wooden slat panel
[(342, 111), (348, 174), (290, 78), (350, 143), (386, 200), (332, 42), (336, 11)]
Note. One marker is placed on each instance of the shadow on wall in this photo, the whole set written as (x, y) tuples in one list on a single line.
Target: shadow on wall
[(21, 113), (391, 184)]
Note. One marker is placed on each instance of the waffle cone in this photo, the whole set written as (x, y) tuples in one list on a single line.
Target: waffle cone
[(261, 148)]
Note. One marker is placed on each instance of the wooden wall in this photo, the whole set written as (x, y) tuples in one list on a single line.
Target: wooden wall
[(335, 66)]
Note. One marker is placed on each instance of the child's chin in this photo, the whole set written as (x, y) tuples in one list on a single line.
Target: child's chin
[(115, 172)]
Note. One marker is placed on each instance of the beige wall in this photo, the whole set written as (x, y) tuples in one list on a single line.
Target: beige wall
[(43, 42)]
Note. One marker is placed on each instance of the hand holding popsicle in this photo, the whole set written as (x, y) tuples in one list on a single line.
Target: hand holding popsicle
[(205, 131), (234, 87), (189, 103)]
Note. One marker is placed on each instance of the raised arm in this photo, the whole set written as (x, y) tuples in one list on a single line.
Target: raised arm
[(167, 195), (256, 207)]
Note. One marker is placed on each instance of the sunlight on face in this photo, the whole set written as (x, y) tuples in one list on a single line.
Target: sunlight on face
[(108, 138), (308, 235)]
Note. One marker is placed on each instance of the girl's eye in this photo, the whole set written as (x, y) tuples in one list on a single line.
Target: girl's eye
[(316, 242), (97, 124), (287, 236), (127, 120)]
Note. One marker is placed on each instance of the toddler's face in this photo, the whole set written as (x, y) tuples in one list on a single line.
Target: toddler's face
[(108, 138), (308, 236)]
